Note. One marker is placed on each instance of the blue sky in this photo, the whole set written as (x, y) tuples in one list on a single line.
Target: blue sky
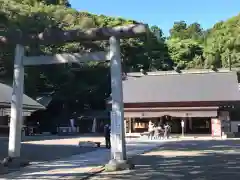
[(163, 13)]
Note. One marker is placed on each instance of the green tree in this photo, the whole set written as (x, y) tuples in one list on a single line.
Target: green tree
[(178, 30), (223, 42), (183, 52), (47, 2), (194, 31), (88, 83), (188, 46)]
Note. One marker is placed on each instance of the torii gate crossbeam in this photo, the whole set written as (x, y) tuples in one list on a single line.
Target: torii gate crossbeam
[(65, 58)]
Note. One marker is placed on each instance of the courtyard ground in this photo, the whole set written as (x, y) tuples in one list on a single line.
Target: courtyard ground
[(46, 148), (78, 166), (40, 149), (185, 160)]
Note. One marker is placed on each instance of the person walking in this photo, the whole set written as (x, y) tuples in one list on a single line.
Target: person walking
[(160, 132), (150, 130), (166, 131), (107, 134)]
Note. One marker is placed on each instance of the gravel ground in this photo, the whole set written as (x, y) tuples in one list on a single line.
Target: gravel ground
[(185, 160)]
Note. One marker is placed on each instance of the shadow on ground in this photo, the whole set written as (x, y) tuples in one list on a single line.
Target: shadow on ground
[(62, 162), (38, 154), (189, 160), (70, 166), (41, 152)]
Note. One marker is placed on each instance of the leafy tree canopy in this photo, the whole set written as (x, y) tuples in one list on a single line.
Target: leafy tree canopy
[(188, 46)]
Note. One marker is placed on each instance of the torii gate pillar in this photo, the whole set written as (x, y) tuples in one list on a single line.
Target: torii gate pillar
[(118, 150), (15, 128)]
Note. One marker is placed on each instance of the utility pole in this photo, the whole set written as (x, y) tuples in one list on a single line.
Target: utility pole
[(230, 61)]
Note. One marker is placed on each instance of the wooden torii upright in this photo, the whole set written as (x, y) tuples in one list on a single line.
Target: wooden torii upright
[(118, 150)]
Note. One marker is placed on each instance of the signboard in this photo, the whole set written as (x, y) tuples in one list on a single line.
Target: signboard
[(216, 127), (115, 122)]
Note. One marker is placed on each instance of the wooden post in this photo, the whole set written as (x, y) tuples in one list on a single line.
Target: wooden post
[(133, 125), (15, 131), (130, 125), (230, 61), (126, 125), (190, 123), (185, 124)]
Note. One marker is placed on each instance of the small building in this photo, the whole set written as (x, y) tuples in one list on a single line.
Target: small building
[(204, 100), (29, 106)]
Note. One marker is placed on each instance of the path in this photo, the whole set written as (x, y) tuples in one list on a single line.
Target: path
[(185, 160)]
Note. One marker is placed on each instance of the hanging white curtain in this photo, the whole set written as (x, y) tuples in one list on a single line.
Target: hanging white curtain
[(72, 122), (94, 125)]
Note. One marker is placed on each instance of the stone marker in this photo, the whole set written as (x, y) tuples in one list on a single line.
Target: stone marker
[(88, 144)]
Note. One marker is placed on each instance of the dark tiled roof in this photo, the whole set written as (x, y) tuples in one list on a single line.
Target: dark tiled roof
[(95, 114), (44, 100), (6, 95), (220, 86)]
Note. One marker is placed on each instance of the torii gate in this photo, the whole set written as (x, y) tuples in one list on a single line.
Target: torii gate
[(118, 150)]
